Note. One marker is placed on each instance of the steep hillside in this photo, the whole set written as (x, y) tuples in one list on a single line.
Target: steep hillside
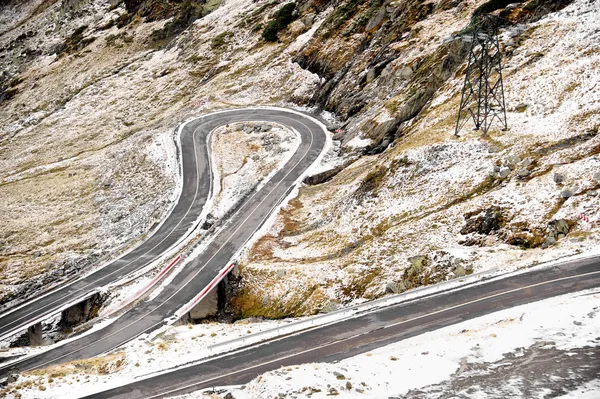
[(427, 206), (91, 92)]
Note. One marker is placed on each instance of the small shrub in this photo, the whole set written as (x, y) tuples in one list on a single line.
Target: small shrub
[(280, 20), (285, 15), (491, 6), (270, 32)]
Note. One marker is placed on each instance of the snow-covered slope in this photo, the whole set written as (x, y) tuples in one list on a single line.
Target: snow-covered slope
[(433, 206), (93, 90)]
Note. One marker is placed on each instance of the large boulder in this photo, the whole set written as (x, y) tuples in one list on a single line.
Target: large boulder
[(483, 221), (559, 228)]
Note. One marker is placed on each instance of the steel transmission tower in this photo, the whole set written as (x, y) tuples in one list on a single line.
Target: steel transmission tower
[(482, 97)]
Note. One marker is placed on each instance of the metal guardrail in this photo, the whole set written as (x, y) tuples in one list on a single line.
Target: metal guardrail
[(145, 289)]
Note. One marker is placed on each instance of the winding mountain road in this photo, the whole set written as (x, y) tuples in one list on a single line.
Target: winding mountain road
[(326, 343), (199, 272)]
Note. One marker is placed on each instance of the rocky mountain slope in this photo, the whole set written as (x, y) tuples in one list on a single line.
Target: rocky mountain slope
[(92, 90)]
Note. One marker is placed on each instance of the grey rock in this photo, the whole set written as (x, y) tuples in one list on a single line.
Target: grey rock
[(325, 176), (504, 172), (484, 221), (376, 20), (371, 75), (516, 30), (348, 385), (329, 307), (513, 160), (512, 6), (309, 19), (559, 228), (597, 177), (526, 162), (566, 193), (392, 288), (386, 72), (359, 390), (550, 240), (523, 173), (558, 178), (492, 149), (297, 27), (265, 128), (405, 73), (339, 376), (333, 392)]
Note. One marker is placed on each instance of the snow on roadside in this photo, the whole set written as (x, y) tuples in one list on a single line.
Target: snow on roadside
[(244, 154), (174, 346), (565, 323)]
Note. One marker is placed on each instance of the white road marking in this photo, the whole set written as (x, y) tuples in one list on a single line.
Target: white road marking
[(170, 392), (205, 264), (116, 260)]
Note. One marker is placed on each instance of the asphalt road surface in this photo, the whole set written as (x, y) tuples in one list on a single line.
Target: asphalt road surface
[(367, 332), (195, 191), (198, 273)]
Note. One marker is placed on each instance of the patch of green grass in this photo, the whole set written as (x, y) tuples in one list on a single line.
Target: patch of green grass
[(220, 39)]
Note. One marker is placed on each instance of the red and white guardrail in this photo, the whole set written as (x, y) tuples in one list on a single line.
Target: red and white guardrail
[(141, 292), (206, 290)]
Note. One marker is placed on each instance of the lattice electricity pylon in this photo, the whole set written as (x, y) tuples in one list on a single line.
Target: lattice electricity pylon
[(482, 97)]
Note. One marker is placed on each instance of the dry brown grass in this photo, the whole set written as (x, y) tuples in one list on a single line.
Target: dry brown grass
[(97, 365)]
